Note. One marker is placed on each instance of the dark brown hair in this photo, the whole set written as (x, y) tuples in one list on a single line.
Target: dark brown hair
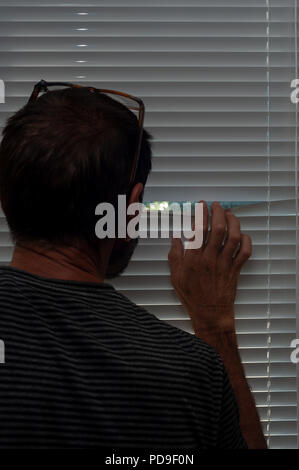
[(61, 156)]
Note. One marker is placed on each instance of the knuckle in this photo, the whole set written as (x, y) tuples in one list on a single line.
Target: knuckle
[(234, 238), (209, 263), (219, 229), (233, 218), (245, 254), (190, 269), (246, 236), (235, 221)]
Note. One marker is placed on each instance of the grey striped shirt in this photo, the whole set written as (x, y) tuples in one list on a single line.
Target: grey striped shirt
[(86, 367)]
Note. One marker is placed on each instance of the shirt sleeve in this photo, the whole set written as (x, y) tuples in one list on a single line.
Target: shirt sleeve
[(229, 434)]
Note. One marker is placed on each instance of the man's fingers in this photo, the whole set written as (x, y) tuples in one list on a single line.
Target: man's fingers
[(244, 252), (233, 235), (218, 227), (176, 254)]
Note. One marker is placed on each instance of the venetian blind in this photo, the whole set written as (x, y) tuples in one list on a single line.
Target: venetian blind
[(215, 78)]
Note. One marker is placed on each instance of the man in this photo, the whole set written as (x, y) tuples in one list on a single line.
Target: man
[(85, 366)]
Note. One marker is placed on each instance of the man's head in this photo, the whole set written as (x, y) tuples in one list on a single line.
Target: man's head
[(61, 156)]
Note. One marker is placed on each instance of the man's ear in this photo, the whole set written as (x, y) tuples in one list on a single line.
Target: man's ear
[(135, 193)]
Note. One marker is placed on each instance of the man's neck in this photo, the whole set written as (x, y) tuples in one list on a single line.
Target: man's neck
[(67, 262)]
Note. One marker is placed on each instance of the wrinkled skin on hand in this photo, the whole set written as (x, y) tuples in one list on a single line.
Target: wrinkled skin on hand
[(205, 279)]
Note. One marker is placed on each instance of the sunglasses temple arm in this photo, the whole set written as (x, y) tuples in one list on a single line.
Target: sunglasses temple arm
[(137, 155), (33, 95)]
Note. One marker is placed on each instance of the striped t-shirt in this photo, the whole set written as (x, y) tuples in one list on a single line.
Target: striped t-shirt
[(86, 367)]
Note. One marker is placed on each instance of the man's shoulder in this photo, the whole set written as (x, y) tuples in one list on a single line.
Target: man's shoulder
[(176, 336), (134, 322)]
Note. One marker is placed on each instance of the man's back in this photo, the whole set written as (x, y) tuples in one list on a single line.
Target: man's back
[(87, 367)]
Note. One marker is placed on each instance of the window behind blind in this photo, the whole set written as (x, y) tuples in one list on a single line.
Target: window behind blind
[(215, 78)]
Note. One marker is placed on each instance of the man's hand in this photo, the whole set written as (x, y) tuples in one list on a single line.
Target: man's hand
[(205, 279)]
